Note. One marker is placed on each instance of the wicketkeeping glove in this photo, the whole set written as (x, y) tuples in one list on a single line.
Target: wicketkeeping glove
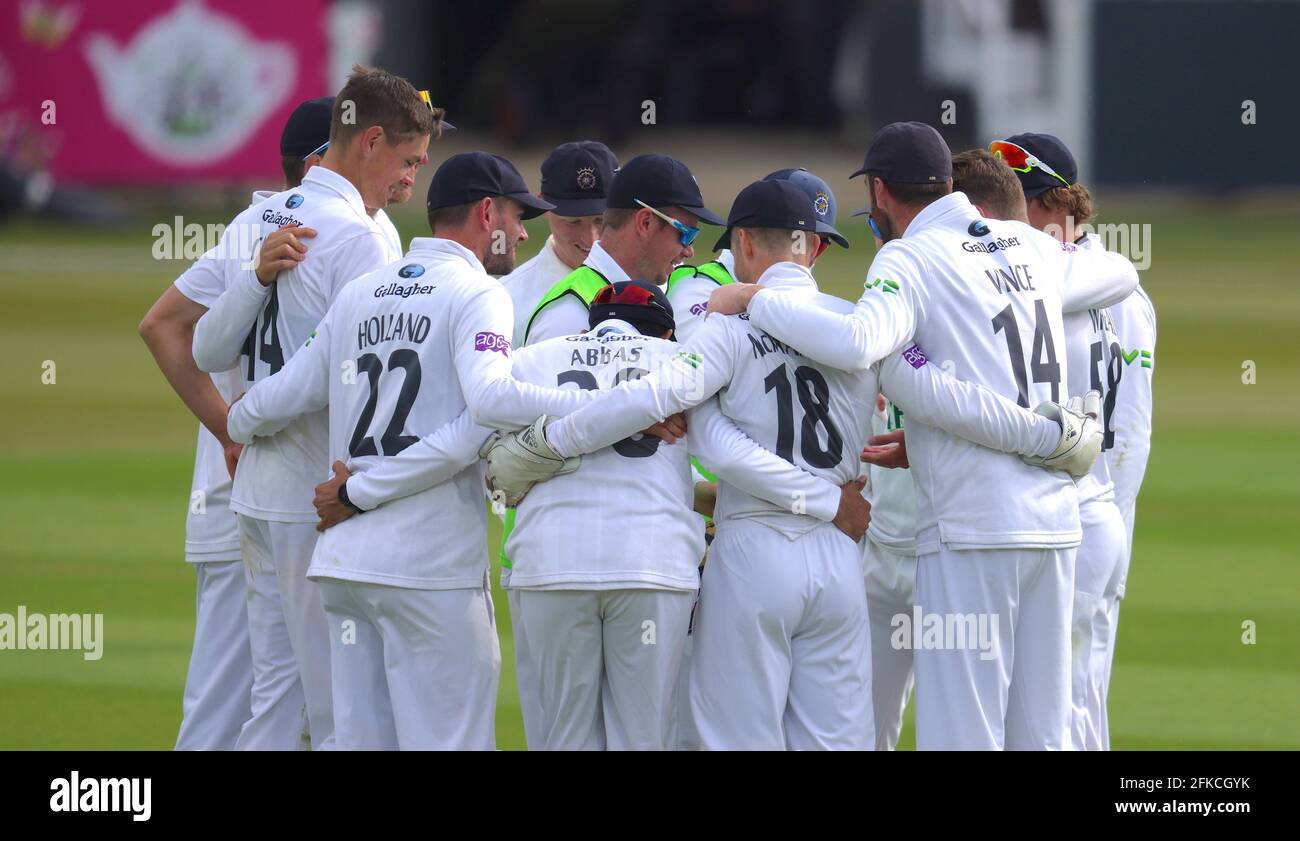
[(521, 459), (1081, 435)]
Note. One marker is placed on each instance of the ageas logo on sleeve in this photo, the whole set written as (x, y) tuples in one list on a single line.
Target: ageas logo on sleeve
[(492, 342), (915, 357)]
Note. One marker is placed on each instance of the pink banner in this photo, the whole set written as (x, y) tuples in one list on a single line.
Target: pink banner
[(151, 91)]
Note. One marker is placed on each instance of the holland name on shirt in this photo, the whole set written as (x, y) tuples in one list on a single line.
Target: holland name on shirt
[(393, 327)]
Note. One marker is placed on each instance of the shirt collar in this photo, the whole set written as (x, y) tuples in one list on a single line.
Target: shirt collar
[(788, 275), (618, 324), (600, 260), (728, 261), (330, 181), (443, 248), (548, 248), (956, 203)]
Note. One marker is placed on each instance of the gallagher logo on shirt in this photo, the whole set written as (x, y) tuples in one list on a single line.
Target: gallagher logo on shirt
[(492, 342), (978, 228), (293, 201), (410, 270)]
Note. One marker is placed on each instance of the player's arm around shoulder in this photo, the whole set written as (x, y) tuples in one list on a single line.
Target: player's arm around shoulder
[(884, 317), (1091, 278), (690, 300), (301, 386)]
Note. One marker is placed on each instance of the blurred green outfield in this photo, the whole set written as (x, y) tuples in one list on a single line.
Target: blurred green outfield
[(97, 470)]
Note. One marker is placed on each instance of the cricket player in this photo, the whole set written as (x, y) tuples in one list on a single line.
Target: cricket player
[(1058, 204), (688, 289), (575, 178), (650, 213), (782, 658), (1091, 353), (416, 357), (383, 141), (607, 625), (988, 297), (215, 707)]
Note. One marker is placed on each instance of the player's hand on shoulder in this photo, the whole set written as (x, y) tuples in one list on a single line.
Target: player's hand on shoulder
[(282, 250), (886, 450), (330, 508), (1081, 435), (732, 298), (854, 514), (518, 460)]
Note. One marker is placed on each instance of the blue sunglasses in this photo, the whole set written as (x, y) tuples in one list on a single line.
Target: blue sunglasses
[(688, 234), (875, 229)]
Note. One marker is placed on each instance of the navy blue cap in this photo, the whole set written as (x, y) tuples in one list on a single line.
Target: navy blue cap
[(1050, 150), (632, 300), (576, 177), (908, 153), (470, 176), (770, 204), (822, 198), (308, 127), (659, 181)]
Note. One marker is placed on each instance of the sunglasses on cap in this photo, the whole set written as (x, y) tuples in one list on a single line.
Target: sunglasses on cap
[(629, 295), (1021, 159), (688, 234)]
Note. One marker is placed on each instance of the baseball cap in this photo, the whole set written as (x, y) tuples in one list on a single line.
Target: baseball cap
[(308, 128), (659, 181), (908, 153), (632, 300), (576, 177), (769, 204), (470, 176), (1050, 150), (822, 198)]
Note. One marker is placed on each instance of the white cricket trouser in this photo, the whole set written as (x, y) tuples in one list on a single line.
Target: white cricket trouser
[(1014, 694), (782, 642), (1096, 575), (1113, 596), (890, 577), (289, 638), (607, 665), (530, 704), (219, 684), (413, 669), (685, 734)]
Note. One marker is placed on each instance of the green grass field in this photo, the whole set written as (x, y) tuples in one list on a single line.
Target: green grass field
[(96, 483)]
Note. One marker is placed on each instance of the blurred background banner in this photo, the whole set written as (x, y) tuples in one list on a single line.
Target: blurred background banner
[(153, 91)]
